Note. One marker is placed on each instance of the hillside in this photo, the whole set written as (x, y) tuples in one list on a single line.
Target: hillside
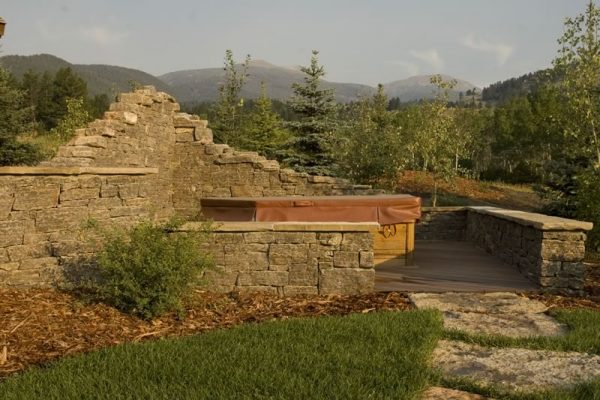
[(419, 87), (500, 92), (202, 84), (107, 79)]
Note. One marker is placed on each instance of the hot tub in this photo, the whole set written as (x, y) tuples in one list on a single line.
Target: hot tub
[(396, 215)]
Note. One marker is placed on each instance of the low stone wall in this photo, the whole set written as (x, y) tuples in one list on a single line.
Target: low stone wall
[(42, 211), (442, 223), (292, 258), (548, 250)]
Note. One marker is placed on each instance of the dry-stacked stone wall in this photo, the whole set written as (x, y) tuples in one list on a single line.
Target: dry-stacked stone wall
[(548, 250), (143, 160), (442, 223), (292, 258)]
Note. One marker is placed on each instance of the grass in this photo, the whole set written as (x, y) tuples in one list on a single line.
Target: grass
[(366, 356)]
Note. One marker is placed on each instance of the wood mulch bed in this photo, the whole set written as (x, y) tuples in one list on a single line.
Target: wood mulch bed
[(41, 325)]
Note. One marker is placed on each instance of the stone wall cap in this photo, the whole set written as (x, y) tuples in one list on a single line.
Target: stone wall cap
[(538, 221), (77, 171)]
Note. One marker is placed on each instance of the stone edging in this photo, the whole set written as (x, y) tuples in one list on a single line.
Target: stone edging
[(76, 171)]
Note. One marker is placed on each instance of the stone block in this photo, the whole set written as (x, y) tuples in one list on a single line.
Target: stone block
[(549, 268), (300, 291), (11, 233), (263, 278), (221, 277), (203, 135), (6, 203), (23, 252), (98, 141), (259, 237), (79, 194), (246, 191), (357, 241), (24, 278), (345, 259), (36, 198), (183, 135), (226, 238), (295, 237), (39, 263), (285, 254), (346, 281), (574, 269), (129, 190), (272, 290), (60, 219), (562, 250), (366, 259), (303, 275), (109, 190), (330, 239), (9, 266)]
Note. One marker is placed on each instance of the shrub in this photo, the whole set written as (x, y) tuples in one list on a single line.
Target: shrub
[(588, 205), (148, 269)]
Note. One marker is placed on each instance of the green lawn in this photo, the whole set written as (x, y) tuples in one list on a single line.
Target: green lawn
[(370, 356)]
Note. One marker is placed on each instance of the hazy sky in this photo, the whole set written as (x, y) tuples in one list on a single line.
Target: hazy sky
[(368, 41)]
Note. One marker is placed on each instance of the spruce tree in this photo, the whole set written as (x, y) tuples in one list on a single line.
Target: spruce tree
[(15, 118), (310, 149), (263, 129)]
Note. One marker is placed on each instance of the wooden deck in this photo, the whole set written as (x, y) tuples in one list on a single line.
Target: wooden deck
[(442, 266)]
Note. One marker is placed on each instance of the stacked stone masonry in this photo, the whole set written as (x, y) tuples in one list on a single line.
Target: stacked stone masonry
[(291, 259), (143, 160)]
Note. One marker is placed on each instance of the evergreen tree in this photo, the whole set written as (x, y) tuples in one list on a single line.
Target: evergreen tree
[(310, 149), (263, 129), (15, 118), (66, 85), (228, 110)]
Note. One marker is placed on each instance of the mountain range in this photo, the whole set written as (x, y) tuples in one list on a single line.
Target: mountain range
[(199, 85)]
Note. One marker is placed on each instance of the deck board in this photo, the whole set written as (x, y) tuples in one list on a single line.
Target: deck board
[(441, 266)]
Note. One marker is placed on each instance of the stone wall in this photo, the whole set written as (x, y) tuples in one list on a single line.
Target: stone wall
[(548, 250), (442, 223), (41, 215), (292, 258), (143, 160)]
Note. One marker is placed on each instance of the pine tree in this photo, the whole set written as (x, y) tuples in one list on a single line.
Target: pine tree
[(229, 107), (263, 129), (15, 118), (311, 146)]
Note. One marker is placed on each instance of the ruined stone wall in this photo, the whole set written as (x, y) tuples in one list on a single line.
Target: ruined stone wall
[(143, 160), (292, 258), (548, 250), (442, 223)]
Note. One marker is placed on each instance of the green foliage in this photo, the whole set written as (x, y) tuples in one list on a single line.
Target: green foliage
[(588, 205), (262, 129), (147, 269), (76, 117), (311, 147), (228, 110), (15, 118), (370, 142)]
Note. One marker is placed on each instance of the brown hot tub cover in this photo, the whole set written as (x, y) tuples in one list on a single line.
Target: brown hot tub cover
[(390, 209)]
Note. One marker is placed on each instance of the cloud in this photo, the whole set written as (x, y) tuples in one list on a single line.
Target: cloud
[(431, 57), (501, 51), (410, 68), (102, 35)]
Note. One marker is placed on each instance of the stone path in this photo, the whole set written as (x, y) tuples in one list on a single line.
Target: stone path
[(507, 368)]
